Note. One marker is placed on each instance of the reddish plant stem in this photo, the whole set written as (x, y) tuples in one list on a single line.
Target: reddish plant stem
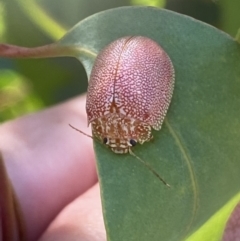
[(51, 50)]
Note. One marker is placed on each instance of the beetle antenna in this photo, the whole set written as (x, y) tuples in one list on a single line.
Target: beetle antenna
[(95, 139), (149, 167), (81, 131)]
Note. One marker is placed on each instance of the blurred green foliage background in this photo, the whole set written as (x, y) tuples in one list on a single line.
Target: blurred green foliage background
[(30, 85)]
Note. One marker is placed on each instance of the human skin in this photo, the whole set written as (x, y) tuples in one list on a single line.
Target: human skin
[(52, 170)]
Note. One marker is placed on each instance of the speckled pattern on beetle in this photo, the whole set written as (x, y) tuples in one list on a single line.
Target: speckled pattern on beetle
[(129, 92)]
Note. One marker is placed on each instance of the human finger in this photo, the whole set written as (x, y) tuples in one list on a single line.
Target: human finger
[(48, 163), (81, 220)]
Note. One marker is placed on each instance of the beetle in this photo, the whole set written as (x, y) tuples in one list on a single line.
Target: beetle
[(129, 93)]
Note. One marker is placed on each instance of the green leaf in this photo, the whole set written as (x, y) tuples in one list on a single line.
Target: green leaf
[(238, 36), (213, 228), (196, 151)]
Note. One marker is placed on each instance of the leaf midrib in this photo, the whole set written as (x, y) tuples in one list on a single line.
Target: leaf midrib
[(189, 162)]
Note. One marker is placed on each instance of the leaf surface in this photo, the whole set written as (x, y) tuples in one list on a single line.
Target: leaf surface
[(196, 151)]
